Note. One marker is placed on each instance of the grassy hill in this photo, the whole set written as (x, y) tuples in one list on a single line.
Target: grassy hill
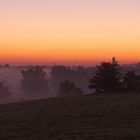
[(98, 117)]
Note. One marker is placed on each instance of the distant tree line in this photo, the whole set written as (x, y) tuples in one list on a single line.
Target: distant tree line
[(70, 81), (5, 66)]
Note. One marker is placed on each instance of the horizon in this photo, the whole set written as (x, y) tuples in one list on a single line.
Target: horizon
[(81, 32), (67, 64)]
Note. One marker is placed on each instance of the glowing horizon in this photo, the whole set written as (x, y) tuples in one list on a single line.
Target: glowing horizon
[(74, 31)]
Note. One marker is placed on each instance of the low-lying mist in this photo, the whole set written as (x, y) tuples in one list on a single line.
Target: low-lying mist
[(12, 78), (35, 82)]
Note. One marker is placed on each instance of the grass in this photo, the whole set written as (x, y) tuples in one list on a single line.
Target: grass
[(98, 117)]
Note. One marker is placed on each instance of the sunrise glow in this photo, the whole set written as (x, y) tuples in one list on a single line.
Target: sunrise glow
[(74, 31)]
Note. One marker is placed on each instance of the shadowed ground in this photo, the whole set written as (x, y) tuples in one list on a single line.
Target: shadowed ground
[(98, 117)]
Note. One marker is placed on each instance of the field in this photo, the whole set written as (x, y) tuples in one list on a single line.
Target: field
[(96, 117)]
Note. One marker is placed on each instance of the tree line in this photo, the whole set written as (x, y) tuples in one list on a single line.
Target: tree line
[(107, 78)]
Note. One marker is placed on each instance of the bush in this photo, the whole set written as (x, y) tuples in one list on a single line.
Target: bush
[(68, 88)]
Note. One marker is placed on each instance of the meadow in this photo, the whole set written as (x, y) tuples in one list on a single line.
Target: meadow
[(93, 117)]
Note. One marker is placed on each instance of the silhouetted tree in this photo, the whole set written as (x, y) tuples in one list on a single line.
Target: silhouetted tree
[(79, 75), (131, 81), (34, 81), (107, 78), (4, 90), (68, 88)]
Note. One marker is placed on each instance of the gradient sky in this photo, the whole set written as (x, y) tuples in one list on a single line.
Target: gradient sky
[(72, 31)]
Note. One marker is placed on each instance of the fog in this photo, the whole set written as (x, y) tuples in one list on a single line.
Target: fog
[(79, 75), (11, 77)]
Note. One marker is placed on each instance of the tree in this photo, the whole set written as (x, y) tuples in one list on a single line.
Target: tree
[(68, 88), (79, 75), (107, 78), (59, 74), (131, 81), (4, 90), (34, 81)]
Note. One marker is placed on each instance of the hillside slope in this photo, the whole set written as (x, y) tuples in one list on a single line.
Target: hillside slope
[(98, 117)]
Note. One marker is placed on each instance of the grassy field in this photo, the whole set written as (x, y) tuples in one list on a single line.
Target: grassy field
[(98, 117)]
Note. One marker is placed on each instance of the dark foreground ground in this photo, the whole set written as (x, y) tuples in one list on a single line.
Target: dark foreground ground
[(98, 117)]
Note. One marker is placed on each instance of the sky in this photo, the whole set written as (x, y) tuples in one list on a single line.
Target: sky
[(69, 31)]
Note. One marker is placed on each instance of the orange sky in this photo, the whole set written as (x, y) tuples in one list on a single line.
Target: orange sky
[(69, 31)]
